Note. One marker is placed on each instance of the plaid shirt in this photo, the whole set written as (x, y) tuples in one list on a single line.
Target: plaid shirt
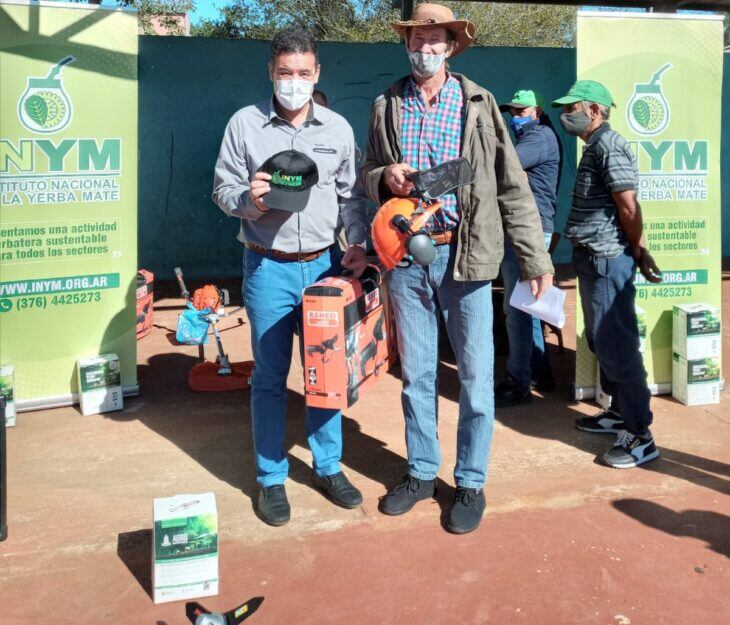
[(431, 136)]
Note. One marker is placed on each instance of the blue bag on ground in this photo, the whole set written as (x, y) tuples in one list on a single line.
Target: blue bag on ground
[(192, 329)]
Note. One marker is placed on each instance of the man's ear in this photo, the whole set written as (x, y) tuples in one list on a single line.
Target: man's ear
[(595, 109), (316, 74), (271, 71), (451, 48)]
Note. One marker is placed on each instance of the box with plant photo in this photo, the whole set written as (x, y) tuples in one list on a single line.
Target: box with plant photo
[(185, 547), (696, 382)]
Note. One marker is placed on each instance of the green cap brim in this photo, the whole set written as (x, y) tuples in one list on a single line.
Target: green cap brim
[(568, 99)]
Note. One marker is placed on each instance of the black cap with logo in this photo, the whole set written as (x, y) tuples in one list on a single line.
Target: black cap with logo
[(293, 175)]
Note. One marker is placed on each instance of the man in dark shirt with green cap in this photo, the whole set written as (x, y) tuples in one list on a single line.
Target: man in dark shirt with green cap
[(606, 229)]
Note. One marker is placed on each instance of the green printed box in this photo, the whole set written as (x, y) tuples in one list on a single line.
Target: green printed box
[(185, 547), (100, 384), (696, 382), (7, 374), (697, 331)]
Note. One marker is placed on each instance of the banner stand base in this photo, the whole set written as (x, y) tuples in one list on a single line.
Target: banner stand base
[(62, 401), (582, 393)]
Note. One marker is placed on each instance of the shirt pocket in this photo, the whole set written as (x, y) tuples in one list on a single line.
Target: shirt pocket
[(328, 159)]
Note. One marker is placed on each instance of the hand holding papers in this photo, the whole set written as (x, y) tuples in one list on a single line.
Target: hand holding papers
[(549, 307)]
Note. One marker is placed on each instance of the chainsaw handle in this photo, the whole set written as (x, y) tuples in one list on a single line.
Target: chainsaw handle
[(181, 283)]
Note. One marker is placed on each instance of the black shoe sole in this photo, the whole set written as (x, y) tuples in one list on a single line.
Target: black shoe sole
[(597, 430), (271, 522), (458, 530), (400, 512), (334, 500)]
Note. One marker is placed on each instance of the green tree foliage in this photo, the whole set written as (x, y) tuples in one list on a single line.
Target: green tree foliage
[(497, 24), (163, 10)]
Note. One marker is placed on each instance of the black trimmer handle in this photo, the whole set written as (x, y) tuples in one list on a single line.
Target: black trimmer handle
[(183, 289)]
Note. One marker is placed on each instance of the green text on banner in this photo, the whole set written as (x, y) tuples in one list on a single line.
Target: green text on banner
[(68, 193)]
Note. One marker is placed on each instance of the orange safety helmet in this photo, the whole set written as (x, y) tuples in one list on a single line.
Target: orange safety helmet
[(206, 297), (391, 243)]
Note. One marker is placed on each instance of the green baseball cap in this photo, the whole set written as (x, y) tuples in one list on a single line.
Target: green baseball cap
[(520, 100), (586, 91)]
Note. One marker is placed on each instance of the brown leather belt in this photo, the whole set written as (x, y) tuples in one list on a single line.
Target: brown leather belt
[(442, 238), (303, 257)]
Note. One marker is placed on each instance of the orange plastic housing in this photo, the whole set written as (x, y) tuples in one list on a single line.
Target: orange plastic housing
[(349, 338), (389, 242)]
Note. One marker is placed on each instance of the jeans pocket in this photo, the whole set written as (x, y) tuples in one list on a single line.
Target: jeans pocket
[(252, 262), (601, 265)]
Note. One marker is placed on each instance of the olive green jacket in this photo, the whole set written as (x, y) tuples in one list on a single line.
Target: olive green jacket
[(498, 201)]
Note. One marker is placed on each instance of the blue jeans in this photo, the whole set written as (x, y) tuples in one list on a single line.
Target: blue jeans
[(528, 359), (607, 296), (418, 294), (273, 294)]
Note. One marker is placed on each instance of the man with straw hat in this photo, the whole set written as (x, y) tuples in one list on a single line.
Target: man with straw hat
[(424, 119)]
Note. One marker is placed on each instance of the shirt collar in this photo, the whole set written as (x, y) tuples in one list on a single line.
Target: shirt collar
[(412, 88), (316, 113), (598, 132)]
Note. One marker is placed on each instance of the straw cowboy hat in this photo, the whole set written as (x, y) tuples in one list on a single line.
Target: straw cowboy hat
[(427, 14)]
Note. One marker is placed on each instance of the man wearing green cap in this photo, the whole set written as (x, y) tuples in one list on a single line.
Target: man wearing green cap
[(606, 229), (538, 149)]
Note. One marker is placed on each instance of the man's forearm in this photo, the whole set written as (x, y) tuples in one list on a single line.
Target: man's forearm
[(630, 218)]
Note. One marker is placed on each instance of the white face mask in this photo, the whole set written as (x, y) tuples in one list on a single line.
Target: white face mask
[(293, 94), (425, 64)]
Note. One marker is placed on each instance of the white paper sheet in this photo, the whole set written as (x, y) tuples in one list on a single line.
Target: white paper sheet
[(549, 307)]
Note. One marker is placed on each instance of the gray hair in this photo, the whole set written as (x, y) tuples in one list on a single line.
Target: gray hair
[(602, 108)]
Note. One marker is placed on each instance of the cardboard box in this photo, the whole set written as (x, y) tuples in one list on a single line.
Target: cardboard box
[(184, 547), (696, 382), (349, 338), (145, 302), (697, 331), (7, 375), (100, 384)]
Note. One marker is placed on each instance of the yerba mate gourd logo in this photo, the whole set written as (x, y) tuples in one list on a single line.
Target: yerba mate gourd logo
[(648, 110), (44, 106)]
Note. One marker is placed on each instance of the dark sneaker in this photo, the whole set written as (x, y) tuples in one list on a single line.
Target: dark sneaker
[(406, 494), (273, 505), (543, 385), (605, 422), (338, 489), (467, 511), (509, 393), (630, 451)]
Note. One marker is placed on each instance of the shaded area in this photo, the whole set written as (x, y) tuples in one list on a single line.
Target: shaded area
[(711, 527)]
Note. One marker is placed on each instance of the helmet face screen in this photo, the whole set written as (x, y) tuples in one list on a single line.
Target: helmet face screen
[(433, 183)]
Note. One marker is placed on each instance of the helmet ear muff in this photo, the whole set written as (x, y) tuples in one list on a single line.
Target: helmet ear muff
[(421, 248)]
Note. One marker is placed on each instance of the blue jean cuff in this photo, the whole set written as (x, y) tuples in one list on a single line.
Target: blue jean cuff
[(271, 480), (426, 477), (329, 469), (467, 484)]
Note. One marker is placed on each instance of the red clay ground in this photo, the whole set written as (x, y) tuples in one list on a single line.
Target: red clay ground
[(564, 540)]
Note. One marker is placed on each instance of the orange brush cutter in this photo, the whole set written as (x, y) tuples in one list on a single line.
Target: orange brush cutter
[(221, 375)]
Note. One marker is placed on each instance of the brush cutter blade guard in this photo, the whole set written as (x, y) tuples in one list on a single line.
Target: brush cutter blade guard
[(204, 377)]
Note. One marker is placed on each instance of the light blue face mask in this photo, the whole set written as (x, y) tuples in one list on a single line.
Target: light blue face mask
[(518, 124), (424, 64)]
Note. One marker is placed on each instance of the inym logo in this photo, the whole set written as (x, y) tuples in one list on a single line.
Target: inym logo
[(44, 106)]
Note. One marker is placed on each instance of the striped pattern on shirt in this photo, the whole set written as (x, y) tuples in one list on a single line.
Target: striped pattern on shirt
[(608, 166)]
